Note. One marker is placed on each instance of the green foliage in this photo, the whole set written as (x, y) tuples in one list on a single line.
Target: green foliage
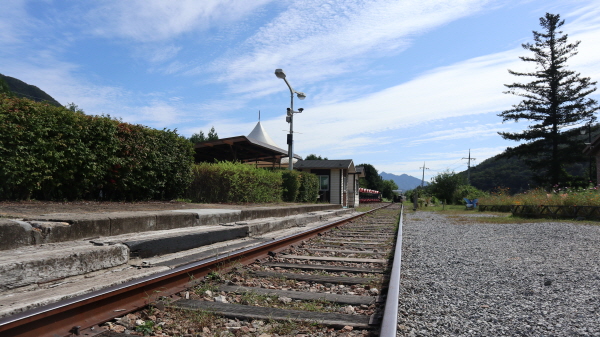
[(212, 134), (309, 187), (234, 182), (314, 157), (200, 137), (553, 101), (467, 191), (505, 170), (55, 153), (147, 328), (444, 186), (372, 180), (388, 187), (291, 185), (150, 164)]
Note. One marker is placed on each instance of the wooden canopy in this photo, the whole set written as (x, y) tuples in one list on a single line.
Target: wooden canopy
[(240, 148)]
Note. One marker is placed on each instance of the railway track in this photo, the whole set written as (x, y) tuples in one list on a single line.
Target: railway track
[(328, 281)]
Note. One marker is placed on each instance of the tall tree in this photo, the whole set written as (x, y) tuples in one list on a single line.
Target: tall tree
[(314, 157), (372, 180), (200, 137), (556, 98), (212, 134)]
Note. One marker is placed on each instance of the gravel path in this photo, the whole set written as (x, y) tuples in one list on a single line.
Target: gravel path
[(536, 279)]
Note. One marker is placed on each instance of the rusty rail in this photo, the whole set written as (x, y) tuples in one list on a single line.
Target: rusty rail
[(73, 316)]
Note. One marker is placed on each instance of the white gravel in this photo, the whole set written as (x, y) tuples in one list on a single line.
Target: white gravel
[(535, 279)]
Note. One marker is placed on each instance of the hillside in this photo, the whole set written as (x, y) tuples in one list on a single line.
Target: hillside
[(25, 90), (404, 181), (512, 172)]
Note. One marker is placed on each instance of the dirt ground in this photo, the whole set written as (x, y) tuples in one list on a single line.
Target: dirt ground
[(21, 209)]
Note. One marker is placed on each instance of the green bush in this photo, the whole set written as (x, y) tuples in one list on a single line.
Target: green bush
[(150, 164), (290, 185), (53, 153), (467, 191), (235, 183), (309, 187)]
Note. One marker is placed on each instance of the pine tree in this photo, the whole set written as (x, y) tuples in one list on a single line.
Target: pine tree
[(556, 98), (212, 134), (198, 137)]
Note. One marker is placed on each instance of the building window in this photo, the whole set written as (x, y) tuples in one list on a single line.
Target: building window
[(324, 183)]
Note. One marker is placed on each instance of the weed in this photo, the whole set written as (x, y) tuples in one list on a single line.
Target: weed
[(146, 328)]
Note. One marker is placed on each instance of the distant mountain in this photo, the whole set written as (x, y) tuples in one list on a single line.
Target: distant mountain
[(22, 89), (404, 181)]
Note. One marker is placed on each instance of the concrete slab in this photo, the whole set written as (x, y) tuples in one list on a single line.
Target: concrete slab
[(17, 296), (44, 263), (68, 227), (62, 227), (148, 247), (14, 233)]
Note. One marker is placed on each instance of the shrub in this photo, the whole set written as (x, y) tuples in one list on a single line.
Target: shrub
[(234, 182), (290, 185), (54, 153), (309, 187), (467, 191)]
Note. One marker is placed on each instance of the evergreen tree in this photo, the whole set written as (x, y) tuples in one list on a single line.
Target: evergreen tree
[(198, 137), (212, 134), (372, 180), (314, 157), (556, 98)]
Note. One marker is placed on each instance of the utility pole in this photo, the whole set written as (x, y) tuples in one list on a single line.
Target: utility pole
[(423, 179), (469, 167)]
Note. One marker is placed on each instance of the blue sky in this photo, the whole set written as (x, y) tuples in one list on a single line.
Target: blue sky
[(390, 83)]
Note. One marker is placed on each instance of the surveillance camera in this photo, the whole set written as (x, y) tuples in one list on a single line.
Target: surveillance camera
[(301, 109), (288, 109)]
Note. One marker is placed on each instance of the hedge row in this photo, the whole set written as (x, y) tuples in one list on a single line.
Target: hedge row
[(300, 186), (242, 183), (53, 153), (233, 183)]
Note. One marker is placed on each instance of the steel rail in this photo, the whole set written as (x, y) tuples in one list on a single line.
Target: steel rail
[(389, 323), (70, 316)]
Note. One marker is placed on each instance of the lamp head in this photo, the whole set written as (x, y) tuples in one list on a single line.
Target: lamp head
[(279, 73), (300, 109), (300, 95)]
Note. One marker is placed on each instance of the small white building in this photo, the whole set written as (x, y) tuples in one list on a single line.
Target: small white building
[(338, 180)]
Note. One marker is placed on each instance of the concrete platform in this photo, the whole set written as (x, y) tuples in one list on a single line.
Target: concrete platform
[(37, 272), (61, 227)]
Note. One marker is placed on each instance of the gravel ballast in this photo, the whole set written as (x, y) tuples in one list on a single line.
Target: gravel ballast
[(480, 279)]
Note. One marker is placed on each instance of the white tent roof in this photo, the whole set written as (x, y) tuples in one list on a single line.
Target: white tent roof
[(261, 135)]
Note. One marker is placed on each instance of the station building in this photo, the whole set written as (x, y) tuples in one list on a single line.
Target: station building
[(338, 179)]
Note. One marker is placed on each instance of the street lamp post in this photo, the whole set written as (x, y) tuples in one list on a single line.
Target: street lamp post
[(290, 116)]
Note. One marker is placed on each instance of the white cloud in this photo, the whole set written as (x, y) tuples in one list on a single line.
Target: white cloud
[(143, 20), (322, 40)]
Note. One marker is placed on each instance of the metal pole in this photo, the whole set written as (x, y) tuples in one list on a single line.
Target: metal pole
[(291, 134), (291, 145)]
